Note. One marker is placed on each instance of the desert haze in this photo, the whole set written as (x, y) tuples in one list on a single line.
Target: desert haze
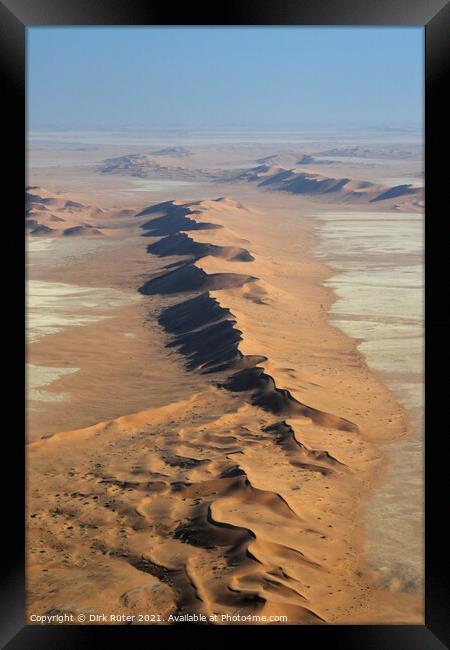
[(215, 402)]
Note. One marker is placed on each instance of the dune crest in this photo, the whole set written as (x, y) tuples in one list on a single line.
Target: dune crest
[(297, 180), (205, 331), (54, 215), (145, 166)]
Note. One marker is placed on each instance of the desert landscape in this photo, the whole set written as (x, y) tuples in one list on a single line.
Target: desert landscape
[(224, 232), (221, 385)]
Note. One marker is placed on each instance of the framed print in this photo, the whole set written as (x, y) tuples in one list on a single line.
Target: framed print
[(232, 330)]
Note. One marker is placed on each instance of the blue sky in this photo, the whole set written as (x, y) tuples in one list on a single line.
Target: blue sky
[(113, 78)]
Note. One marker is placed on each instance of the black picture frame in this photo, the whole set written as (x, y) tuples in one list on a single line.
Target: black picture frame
[(434, 16)]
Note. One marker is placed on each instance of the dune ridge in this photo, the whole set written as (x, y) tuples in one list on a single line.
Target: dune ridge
[(144, 166), (54, 215), (297, 180), (204, 329)]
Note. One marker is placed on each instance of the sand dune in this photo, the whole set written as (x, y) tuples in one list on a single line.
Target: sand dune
[(405, 152), (285, 159), (76, 231), (182, 244), (343, 190), (189, 277), (172, 218), (41, 230), (53, 215), (143, 165), (179, 152)]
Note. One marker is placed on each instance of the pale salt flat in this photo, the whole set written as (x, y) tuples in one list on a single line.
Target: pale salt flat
[(38, 245), (39, 376), (379, 281), (53, 306), (156, 185)]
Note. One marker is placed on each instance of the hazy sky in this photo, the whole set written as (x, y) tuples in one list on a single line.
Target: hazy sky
[(90, 78)]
